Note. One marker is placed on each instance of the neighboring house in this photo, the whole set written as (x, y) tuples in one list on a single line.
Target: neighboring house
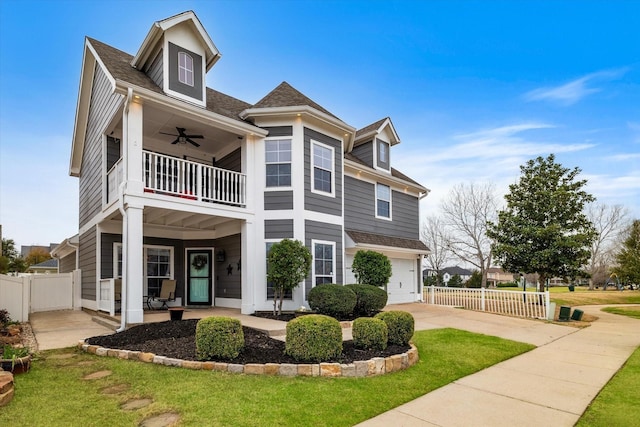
[(67, 255), (26, 249), (449, 272), (45, 267), (180, 181), (496, 275)]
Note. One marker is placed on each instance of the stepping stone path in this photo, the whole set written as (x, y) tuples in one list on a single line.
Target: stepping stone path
[(132, 405), (115, 389), (161, 420), (97, 375), (86, 363)]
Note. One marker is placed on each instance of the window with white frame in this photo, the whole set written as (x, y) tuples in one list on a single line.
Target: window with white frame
[(323, 262), (159, 262), (185, 68), (322, 168), (288, 294), (383, 201), (383, 152), (278, 161)]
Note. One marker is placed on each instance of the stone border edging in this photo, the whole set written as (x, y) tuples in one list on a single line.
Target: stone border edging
[(361, 368)]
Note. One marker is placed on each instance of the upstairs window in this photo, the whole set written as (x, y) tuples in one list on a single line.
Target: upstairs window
[(278, 161), (322, 168), (383, 201), (185, 68)]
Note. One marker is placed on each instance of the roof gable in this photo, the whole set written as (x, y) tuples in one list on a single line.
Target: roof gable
[(285, 95), (381, 127)]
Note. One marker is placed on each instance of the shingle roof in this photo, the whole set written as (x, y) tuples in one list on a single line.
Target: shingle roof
[(50, 263), (286, 95), (394, 172), (456, 270), (369, 128), (389, 241)]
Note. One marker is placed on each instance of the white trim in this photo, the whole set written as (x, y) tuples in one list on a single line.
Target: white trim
[(377, 142), (389, 218), (228, 303), (290, 162), (365, 173), (189, 79), (172, 264), (312, 166), (315, 242)]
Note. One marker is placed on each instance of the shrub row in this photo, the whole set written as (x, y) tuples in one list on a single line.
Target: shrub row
[(344, 301), (313, 338)]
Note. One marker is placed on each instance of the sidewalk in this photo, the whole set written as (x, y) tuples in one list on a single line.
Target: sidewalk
[(550, 385)]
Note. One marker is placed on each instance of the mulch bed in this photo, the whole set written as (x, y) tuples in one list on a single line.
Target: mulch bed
[(176, 339)]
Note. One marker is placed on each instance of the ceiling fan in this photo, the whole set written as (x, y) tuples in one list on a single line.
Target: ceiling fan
[(183, 138)]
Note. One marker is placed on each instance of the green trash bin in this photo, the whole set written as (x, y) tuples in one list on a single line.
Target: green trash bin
[(565, 312), (577, 314)]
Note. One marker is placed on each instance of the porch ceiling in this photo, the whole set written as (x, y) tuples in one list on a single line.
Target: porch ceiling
[(178, 220)]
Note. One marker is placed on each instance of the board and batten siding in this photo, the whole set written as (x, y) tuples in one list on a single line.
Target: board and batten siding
[(87, 263), (360, 211), (67, 264), (278, 229), (103, 106), (314, 230), (155, 70), (364, 152), (278, 200), (314, 201)]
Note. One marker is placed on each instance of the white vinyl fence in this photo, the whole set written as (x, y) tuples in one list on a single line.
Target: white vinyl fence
[(511, 303), (39, 292)]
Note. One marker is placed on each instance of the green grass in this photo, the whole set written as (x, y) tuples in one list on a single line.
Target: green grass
[(618, 403), (625, 311), (54, 394)]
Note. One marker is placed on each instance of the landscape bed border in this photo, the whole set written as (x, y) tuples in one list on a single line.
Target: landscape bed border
[(358, 369)]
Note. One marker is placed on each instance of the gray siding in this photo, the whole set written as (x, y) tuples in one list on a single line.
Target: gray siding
[(364, 152), (360, 205), (329, 232), (278, 200), (67, 264), (278, 229), (194, 91), (113, 152), (314, 201), (228, 285), (87, 263), (232, 161), (279, 130), (155, 70), (103, 106), (384, 165)]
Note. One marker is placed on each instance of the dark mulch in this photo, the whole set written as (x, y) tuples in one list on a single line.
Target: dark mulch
[(176, 339)]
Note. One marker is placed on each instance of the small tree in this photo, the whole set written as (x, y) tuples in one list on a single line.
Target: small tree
[(475, 281), (371, 268), (455, 281), (628, 268), (36, 256), (289, 262), (11, 259)]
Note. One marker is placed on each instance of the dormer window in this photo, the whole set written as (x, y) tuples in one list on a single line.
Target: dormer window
[(382, 155), (185, 68)]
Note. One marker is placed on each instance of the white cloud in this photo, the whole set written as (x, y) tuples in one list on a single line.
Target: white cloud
[(575, 90)]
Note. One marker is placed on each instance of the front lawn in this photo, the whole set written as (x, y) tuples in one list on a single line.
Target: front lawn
[(54, 394), (583, 296), (625, 311)]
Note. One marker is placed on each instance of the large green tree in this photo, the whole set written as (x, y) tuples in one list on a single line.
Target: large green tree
[(11, 261), (289, 262), (543, 228), (628, 268)]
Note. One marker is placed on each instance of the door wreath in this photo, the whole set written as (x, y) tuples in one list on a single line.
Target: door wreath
[(199, 262)]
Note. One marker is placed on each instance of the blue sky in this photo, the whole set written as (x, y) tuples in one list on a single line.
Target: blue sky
[(474, 89)]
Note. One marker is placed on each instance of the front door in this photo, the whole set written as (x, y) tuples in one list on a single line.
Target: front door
[(199, 274)]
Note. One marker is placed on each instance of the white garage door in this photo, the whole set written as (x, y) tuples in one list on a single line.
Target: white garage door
[(402, 284)]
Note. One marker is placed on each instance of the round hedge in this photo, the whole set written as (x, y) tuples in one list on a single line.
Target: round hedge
[(370, 333), (369, 299), (218, 337), (400, 325), (313, 338), (332, 300)]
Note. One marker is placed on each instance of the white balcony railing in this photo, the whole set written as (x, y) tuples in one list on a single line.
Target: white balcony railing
[(190, 180), (114, 178)]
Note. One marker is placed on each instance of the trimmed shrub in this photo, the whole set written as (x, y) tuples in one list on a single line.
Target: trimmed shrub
[(218, 337), (313, 338), (332, 300), (371, 268), (369, 299), (400, 325), (370, 333)]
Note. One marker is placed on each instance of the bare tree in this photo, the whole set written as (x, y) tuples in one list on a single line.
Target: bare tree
[(609, 221), (433, 236), (466, 211)]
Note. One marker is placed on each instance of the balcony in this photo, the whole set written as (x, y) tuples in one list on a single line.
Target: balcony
[(171, 176)]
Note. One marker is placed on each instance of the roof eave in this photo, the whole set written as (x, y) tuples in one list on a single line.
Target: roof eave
[(362, 169)]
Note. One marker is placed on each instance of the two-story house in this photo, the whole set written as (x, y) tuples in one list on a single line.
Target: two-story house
[(180, 181)]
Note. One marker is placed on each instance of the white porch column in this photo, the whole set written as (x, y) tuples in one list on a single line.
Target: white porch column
[(132, 252), (132, 118), (248, 242)]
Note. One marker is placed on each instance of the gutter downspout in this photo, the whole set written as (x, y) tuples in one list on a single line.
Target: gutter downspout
[(123, 212)]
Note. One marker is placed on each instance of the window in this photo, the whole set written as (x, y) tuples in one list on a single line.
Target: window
[(383, 152), (383, 201), (322, 168), (288, 294), (185, 68), (278, 160), (323, 262), (158, 266)]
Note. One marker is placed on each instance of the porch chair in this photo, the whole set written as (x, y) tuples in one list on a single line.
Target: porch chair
[(167, 293)]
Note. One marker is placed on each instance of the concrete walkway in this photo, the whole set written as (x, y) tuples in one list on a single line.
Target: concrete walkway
[(551, 385)]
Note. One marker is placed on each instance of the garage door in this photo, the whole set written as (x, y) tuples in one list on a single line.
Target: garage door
[(402, 284)]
